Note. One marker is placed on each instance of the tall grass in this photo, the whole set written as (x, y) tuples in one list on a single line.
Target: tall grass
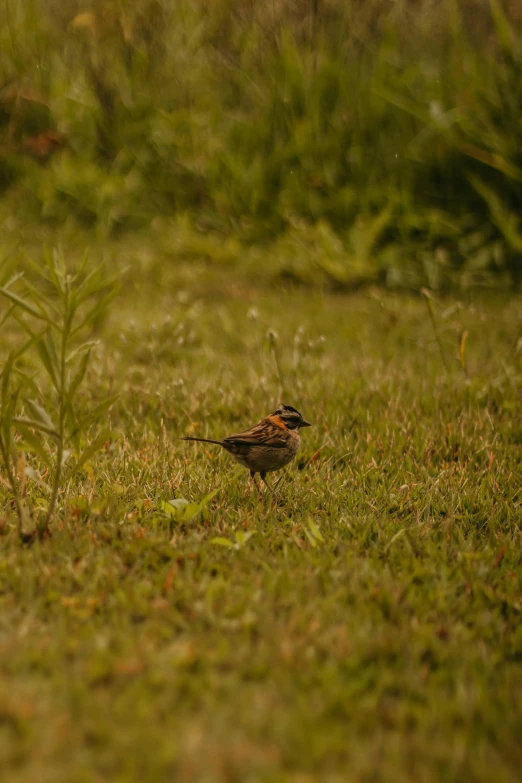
[(393, 128)]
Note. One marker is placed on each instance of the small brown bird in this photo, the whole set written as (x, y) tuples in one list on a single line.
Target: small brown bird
[(268, 446)]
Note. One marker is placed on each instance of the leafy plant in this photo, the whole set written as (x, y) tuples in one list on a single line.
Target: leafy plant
[(40, 413), (241, 537), (180, 510), (313, 534)]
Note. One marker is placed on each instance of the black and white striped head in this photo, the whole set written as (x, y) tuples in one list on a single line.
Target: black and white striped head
[(291, 417)]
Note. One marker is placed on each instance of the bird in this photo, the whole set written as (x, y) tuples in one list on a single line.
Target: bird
[(267, 446)]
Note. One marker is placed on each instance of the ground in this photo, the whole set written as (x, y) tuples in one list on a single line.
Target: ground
[(364, 625)]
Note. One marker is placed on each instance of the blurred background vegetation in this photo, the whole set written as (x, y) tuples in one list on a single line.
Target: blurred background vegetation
[(337, 141)]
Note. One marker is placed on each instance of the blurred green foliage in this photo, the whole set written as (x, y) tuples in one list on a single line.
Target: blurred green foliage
[(375, 141)]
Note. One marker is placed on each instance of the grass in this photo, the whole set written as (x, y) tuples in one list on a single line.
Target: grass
[(365, 625)]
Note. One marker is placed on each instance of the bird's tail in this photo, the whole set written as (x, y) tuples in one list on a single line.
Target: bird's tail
[(203, 440)]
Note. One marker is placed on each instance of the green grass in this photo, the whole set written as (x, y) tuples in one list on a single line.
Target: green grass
[(370, 627)]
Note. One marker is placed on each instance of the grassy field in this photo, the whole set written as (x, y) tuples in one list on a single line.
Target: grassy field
[(260, 177), (363, 626)]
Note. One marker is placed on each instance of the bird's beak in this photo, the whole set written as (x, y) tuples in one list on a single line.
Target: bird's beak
[(305, 423)]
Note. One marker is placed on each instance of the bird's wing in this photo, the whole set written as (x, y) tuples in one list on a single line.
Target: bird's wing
[(263, 436)]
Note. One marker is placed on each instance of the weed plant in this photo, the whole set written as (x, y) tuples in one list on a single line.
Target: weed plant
[(40, 381)]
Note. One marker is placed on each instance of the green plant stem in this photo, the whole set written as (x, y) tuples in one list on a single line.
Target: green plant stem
[(273, 346), (435, 329), (14, 489), (61, 415)]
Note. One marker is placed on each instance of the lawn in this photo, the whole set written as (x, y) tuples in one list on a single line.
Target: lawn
[(363, 625)]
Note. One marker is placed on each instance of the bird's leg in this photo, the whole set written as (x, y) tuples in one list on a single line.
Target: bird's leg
[(263, 479), (253, 477)]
